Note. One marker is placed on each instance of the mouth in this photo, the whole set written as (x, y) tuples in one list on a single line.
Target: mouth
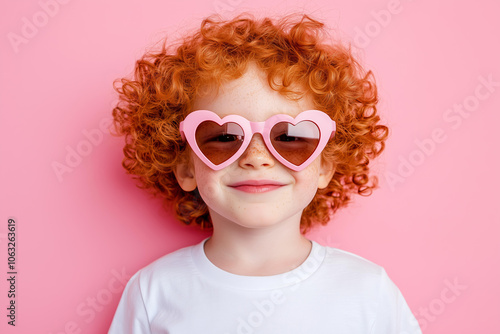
[(256, 186)]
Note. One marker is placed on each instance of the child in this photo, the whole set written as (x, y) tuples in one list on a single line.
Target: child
[(258, 131)]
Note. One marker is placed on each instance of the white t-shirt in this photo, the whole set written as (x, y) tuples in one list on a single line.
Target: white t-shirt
[(332, 291)]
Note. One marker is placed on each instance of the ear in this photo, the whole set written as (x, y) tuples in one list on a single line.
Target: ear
[(326, 171), (185, 175)]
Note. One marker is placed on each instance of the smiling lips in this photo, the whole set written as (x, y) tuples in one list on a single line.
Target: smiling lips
[(257, 186)]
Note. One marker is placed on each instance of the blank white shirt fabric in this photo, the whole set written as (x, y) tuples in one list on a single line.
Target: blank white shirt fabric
[(332, 291)]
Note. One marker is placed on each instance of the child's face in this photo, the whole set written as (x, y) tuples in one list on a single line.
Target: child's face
[(253, 206)]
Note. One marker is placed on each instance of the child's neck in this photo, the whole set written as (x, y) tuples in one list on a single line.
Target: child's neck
[(257, 251)]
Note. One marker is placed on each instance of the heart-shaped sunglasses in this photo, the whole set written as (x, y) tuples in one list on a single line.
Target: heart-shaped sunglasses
[(295, 142)]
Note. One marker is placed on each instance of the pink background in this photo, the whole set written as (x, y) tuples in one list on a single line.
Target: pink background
[(433, 223)]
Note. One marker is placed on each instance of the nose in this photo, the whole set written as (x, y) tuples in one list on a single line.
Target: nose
[(256, 155)]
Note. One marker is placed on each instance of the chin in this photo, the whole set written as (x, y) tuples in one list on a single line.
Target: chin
[(260, 222)]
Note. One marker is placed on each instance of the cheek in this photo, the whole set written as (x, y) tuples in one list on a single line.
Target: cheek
[(307, 181), (310, 175), (208, 182)]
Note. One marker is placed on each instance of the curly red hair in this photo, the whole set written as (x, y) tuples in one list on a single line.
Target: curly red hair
[(165, 84)]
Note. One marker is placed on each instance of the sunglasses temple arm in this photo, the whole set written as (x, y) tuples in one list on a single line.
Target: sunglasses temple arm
[(334, 130), (181, 130)]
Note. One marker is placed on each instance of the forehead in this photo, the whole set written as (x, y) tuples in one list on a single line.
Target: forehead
[(251, 96)]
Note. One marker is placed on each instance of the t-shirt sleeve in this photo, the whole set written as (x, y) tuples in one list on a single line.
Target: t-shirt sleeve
[(131, 315), (393, 315)]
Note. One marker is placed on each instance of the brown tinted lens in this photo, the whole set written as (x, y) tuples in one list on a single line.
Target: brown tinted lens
[(219, 142), (295, 143)]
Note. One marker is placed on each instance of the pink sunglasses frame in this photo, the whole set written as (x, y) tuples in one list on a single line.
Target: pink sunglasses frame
[(325, 124)]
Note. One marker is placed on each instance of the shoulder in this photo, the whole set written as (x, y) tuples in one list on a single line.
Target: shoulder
[(353, 272), (350, 263), (166, 270), (171, 262), (353, 276), (366, 283)]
